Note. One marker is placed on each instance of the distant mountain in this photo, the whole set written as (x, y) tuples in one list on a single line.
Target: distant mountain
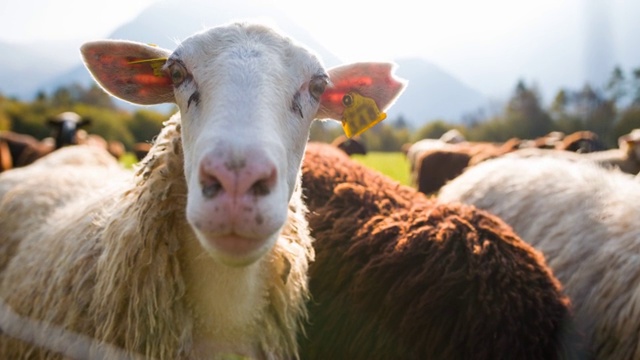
[(432, 93), (24, 68), (149, 27)]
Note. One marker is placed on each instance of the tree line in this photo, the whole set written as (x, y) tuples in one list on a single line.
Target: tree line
[(107, 119), (610, 111)]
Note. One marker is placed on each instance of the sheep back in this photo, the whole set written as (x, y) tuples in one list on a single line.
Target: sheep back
[(112, 266), (398, 276), (584, 218)]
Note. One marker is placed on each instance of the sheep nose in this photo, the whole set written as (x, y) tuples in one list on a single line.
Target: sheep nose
[(237, 177)]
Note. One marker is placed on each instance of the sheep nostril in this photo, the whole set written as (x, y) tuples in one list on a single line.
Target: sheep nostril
[(211, 187), (263, 187), (260, 188)]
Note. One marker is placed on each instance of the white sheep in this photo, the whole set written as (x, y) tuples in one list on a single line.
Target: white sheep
[(626, 157), (203, 252), (585, 219)]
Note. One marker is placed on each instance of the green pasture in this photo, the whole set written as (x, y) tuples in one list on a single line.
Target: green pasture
[(392, 164)]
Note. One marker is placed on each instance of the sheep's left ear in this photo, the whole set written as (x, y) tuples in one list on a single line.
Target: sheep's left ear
[(358, 94), (129, 70)]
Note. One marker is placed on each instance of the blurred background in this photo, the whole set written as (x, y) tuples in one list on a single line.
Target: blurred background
[(493, 69)]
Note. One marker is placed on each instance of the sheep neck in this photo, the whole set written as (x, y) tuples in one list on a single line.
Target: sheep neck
[(225, 302)]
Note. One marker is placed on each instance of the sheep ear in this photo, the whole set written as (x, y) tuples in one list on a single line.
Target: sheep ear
[(358, 94), (129, 70)]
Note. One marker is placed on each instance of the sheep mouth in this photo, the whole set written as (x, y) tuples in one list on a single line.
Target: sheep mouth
[(234, 249)]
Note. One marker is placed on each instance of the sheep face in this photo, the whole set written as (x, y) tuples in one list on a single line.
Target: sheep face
[(247, 96), (246, 112)]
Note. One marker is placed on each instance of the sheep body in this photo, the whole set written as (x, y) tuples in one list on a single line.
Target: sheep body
[(146, 311), (434, 167), (397, 275), (22, 149), (584, 218), (203, 251)]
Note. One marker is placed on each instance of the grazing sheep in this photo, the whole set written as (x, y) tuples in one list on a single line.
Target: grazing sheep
[(398, 276), (114, 147), (18, 150), (412, 151), (6, 162), (626, 158), (141, 149), (65, 128), (581, 142), (203, 252), (23, 149), (349, 145), (548, 141), (434, 167), (584, 218)]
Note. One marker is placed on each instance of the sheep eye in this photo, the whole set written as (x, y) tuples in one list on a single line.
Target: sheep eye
[(317, 87), (347, 100), (178, 73)]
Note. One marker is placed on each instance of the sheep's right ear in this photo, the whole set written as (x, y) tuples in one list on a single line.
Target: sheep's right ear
[(129, 70)]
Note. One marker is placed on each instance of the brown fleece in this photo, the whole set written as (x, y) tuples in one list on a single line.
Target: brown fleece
[(399, 276)]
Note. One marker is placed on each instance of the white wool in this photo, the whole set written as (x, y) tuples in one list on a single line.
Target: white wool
[(586, 221)]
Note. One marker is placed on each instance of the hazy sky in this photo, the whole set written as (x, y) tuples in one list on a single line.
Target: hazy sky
[(352, 28), (462, 36)]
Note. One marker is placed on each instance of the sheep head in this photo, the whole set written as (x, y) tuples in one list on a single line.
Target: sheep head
[(247, 96)]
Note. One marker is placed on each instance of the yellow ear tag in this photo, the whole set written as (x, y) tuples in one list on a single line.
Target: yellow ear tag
[(360, 113), (156, 64)]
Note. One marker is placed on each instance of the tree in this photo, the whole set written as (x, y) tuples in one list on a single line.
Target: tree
[(325, 131), (433, 130), (635, 85), (97, 97), (561, 115), (524, 117), (616, 86), (146, 125)]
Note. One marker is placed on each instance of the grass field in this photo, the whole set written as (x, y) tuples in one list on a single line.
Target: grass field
[(392, 164)]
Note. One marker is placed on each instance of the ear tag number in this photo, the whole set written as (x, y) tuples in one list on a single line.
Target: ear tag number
[(156, 65), (360, 113)]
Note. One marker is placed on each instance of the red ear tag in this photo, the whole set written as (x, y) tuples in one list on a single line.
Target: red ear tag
[(360, 113)]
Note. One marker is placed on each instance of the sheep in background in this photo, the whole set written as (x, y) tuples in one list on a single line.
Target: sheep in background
[(584, 218), (414, 150), (434, 167), (114, 147), (6, 162), (625, 158), (22, 149), (203, 253), (65, 128), (17, 150), (581, 142), (141, 149), (398, 276), (350, 145)]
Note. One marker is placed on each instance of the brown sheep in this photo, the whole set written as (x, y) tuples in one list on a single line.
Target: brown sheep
[(23, 149), (626, 157), (398, 276), (141, 149), (581, 142), (436, 166), (349, 145)]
